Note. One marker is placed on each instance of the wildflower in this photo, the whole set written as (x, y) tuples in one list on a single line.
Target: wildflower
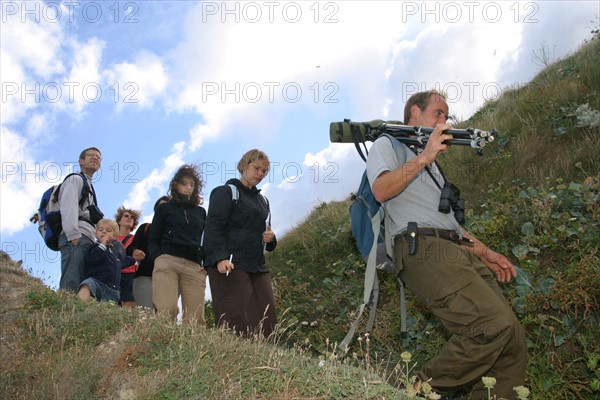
[(405, 356), (522, 392), (427, 389), (434, 396), (411, 392), (488, 382)]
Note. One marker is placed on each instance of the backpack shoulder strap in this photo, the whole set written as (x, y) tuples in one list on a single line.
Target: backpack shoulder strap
[(235, 196), (57, 191), (266, 201), (371, 286), (396, 144), (126, 239), (235, 193), (87, 189)]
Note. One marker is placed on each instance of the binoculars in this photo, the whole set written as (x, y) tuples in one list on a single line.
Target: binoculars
[(450, 200)]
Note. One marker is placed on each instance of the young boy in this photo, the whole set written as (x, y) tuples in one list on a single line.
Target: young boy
[(103, 262)]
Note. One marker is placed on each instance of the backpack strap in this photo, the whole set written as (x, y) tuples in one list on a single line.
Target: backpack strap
[(354, 132), (235, 193), (56, 193), (235, 197), (397, 145), (125, 239), (371, 286)]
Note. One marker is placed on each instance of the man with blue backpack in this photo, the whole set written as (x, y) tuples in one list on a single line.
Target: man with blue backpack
[(79, 214), (448, 269)]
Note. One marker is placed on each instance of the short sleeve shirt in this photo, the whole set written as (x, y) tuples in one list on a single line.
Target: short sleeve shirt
[(419, 201)]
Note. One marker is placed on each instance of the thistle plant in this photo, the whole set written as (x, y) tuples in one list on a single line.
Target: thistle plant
[(406, 357)]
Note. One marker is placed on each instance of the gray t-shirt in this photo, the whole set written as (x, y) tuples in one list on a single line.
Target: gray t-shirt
[(419, 201), (71, 211)]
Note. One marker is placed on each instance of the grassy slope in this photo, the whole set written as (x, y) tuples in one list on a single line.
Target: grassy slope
[(55, 346)]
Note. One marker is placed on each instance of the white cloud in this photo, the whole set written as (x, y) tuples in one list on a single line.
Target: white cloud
[(139, 82), (22, 182), (330, 174), (33, 46), (39, 127), (83, 82), (439, 57), (273, 53), (158, 179), (34, 60), (14, 107)]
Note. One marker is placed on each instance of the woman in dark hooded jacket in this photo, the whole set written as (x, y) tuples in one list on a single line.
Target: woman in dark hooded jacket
[(174, 245), (238, 232)]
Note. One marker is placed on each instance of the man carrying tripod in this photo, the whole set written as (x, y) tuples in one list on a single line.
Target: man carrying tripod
[(449, 270)]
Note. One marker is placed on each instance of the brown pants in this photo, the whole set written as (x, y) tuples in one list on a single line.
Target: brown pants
[(243, 301), (487, 338), (172, 276)]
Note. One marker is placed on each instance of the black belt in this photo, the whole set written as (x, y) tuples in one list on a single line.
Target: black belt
[(442, 234)]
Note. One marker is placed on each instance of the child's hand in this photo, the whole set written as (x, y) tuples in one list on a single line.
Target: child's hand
[(104, 237), (107, 240), (138, 255)]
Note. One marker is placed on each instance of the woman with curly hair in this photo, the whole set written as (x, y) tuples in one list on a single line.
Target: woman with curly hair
[(174, 245), (127, 219)]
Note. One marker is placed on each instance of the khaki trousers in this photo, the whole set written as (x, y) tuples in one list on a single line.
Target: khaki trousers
[(486, 336), (172, 276)]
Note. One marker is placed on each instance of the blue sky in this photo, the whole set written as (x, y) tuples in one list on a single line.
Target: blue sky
[(155, 84)]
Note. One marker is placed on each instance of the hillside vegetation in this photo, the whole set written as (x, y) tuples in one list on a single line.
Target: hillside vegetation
[(534, 196)]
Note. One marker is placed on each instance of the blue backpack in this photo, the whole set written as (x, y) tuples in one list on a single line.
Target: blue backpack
[(48, 215), (369, 225)]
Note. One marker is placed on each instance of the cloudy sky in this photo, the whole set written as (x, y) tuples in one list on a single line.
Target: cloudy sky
[(156, 84)]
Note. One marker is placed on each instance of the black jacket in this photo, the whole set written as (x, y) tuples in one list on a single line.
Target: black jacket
[(104, 263), (237, 228), (177, 230), (140, 242)]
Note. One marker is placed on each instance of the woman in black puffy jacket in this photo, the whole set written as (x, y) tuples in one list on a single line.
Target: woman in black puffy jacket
[(174, 245), (238, 232)]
